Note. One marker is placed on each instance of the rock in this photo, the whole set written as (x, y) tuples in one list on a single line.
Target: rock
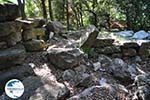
[(103, 43), (34, 45), (56, 92), (9, 12), (3, 45), (131, 45), (9, 27), (67, 57), (145, 49), (55, 27), (76, 78), (83, 80), (68, 75), (119, 69), (12, 56), (35, 33), (14, 38), (143, 93), (81, 68), (30, 24), (140, 35), (142, 83), (87, 39), (106, 92), (51, 35), (125, 33), (42, 90), (108, 50), (97, 66), (129, 52), (105, 61), (143, 79), (17, 72)]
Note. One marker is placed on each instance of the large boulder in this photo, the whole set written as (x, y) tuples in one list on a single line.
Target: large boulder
[(42, 90), (34, 45), (9, 12), (88, 38), (122, 71), (55, 27), (65, 58), (12, 56)]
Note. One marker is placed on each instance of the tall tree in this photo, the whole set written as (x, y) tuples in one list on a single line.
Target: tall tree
[(50, 9), (44, 9), (21, 4), (67, 14)]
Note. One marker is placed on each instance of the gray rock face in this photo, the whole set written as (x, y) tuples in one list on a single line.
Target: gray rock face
[(9, 12), (12, 56), (34, 45), (65, 58)]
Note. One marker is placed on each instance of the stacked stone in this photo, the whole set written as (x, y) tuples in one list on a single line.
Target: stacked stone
[(127, 50), (17, 37), (11, 52), (144, 50), (130, 49), (106, 46), (33, 34)]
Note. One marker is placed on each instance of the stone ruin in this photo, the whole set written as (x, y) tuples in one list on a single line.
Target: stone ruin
[(17, 37)]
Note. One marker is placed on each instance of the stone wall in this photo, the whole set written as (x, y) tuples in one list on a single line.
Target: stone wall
[(128, 49), (17, 37)]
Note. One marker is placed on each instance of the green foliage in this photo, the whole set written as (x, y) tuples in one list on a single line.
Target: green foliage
[(136, 13)]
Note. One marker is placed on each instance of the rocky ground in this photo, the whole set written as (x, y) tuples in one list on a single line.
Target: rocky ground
[(72, 65)]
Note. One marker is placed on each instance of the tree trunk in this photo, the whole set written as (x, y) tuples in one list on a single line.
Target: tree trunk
[(22, 8), (44, 9), (67, 14), (50, 10), (81, 15)]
